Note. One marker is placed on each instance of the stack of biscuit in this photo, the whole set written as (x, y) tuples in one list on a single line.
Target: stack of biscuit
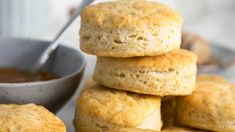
[(139, 60)]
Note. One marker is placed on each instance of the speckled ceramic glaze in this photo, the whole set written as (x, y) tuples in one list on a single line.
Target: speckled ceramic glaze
[(22, 53)]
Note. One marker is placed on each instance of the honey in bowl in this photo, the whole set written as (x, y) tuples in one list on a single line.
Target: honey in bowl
[(12, 75)]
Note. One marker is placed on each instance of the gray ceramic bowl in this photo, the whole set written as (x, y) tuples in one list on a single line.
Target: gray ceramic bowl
[(22, 53)]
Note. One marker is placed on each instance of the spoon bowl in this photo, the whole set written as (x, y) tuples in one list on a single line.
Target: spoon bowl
[(67, 63)]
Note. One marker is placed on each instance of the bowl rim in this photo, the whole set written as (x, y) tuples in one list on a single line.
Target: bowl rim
[(76, 72)]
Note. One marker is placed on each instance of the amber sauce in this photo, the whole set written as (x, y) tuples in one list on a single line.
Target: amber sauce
[(12, 75)]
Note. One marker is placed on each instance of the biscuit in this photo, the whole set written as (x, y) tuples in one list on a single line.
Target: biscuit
[(128, 130), (173, 73), (168, 105), (168, 110), (212, 78), (102, 109), (28, 118), (128, 28), (179, 129), (210, 107)]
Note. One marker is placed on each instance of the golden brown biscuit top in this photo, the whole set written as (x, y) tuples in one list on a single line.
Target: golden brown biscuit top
[(128, 130), (212, 98), (28, 118), (212, 78), (165, 62), (129, 14), (178, 129), (118, 107)]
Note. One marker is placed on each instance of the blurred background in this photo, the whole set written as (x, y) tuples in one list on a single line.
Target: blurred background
[(42, 19), (214, 20)]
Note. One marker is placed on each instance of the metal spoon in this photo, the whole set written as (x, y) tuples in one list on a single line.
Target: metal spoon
[(58, 39)]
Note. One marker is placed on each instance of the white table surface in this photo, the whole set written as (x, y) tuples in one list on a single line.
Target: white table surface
[(218, 26)]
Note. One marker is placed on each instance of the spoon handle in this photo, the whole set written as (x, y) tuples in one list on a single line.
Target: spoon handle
[(58, 39)]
